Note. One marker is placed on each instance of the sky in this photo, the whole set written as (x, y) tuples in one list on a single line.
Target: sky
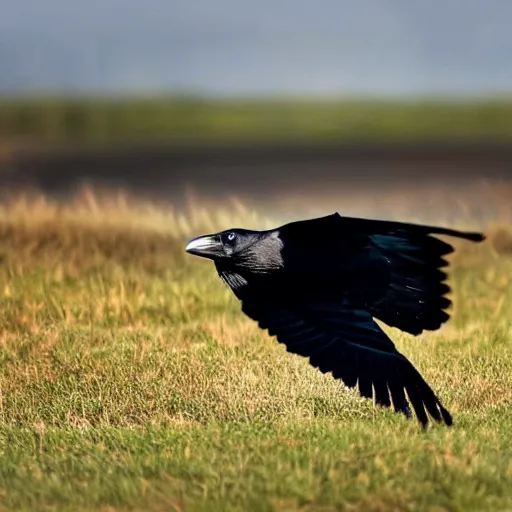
[(234, 47)]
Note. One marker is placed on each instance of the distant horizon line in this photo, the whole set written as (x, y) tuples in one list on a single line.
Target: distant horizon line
[(176, 95)]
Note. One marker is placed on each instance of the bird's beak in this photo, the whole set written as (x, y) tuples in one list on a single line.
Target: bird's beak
[(208, 246)]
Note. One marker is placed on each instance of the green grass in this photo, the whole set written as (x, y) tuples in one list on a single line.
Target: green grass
[(97, 121), (129, 380)]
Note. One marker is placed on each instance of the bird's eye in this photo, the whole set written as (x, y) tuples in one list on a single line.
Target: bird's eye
[(231, 236)]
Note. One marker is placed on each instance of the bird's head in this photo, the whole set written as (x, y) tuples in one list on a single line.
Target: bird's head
[(256, 250), (226, 244)]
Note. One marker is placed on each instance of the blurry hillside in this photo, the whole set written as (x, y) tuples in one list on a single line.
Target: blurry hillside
[(101, 122), (252, 149)]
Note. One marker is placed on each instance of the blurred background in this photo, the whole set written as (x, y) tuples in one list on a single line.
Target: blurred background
[(370, 107)]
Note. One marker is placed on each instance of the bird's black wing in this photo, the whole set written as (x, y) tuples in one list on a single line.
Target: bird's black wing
[(416, 297), (395, 268), (347, 342)]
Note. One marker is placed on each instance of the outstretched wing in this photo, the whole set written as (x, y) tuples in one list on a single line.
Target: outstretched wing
[(348, 343), (416, 295), (394, 269)]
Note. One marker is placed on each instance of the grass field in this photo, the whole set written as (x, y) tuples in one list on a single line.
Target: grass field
[(129, 380), (104, 121)]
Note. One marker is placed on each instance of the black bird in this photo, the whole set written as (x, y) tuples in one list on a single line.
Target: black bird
[(318, 284)]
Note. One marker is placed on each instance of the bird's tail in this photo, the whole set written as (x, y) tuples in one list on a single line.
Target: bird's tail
[(465, 235)]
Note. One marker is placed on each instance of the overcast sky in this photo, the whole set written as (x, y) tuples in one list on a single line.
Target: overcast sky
[(229, 47)]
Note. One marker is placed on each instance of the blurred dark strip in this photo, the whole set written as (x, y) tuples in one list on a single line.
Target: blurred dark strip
[(166, 171)]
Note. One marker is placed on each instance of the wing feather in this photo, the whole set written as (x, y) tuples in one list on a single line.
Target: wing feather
[(349, 344)]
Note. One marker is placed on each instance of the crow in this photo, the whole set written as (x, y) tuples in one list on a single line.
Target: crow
[(318, 285)]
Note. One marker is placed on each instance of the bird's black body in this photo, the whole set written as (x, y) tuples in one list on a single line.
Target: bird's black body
[(318, 284)]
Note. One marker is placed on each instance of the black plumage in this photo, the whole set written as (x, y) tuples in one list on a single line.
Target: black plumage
[(318, 284)]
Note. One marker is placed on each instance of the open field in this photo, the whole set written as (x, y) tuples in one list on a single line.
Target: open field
[(129, 379), (104, 121)]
